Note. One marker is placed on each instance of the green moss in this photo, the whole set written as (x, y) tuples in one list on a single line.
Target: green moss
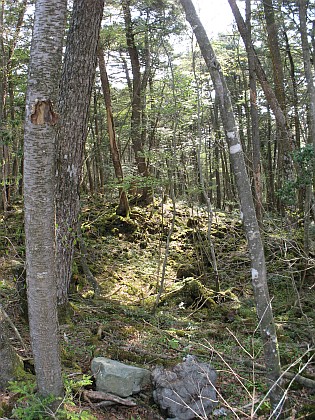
[(194, 293), (20, 374), (65, 313)]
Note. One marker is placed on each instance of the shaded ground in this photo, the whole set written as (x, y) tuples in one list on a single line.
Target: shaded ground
[(126, 257)]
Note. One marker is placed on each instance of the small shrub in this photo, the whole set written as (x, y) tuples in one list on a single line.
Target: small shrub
[(30, 406)]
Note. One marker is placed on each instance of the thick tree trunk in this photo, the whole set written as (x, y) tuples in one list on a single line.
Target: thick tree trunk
[(259, 274), (123, 208), (75, 94), (39, 204)]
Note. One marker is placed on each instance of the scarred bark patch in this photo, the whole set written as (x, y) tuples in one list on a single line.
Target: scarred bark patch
[(43, 113)]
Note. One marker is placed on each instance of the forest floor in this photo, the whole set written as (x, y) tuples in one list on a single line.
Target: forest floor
[(126, 257)]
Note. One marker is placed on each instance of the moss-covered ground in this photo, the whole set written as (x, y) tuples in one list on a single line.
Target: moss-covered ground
[(127, 258)]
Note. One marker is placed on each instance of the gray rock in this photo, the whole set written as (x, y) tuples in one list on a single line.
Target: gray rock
[(186, 391), (117, 378)]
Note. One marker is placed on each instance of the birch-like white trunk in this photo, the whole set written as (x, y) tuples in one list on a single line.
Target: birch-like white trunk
[(258, 271), (39, 204)]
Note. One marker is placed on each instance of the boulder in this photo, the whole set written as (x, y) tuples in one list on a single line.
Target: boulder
[(186, 391), (117, 378)]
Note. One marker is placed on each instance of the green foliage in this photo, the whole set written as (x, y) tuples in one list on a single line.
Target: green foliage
[(287, 193), (30, 406), (137, 181), (304, 158)]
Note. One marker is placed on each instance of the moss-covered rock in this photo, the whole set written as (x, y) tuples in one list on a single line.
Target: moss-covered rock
[(191, 293)]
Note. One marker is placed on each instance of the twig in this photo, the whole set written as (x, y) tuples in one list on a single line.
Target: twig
[(230, 369), (112, 293), (238, 342), (8, 319), (307, 382), (279, 380)]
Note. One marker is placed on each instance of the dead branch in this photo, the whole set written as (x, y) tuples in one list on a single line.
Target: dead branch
[(10, 322), (105, 397)]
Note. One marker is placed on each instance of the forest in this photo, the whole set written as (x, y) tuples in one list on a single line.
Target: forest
[(157, 210)]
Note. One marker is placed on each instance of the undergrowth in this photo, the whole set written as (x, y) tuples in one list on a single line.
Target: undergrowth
[(125, 257)]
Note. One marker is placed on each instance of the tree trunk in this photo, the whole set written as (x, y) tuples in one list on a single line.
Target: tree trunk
[(123, 208), (75, 94), (3, 88), (254, 118), (7, 47), (297, 124), (274, 49), (217, 141), (99, 158), (261, 75), (138, 85), (259, 272), (311, 110), (281, 139), (39, 204)]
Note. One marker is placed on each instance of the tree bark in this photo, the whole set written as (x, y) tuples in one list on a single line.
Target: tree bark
[(75, 94), (123, 208), (259, 272), (7, 47), (307, 68), (97, 138), (282, 144), (254, 118), (311, 111), (274, 49), (39, 204), (138, 86), (261, 75), (3, 77)]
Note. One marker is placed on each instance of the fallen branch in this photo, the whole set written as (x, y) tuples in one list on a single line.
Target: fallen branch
[(105, 398), (307, 382)]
